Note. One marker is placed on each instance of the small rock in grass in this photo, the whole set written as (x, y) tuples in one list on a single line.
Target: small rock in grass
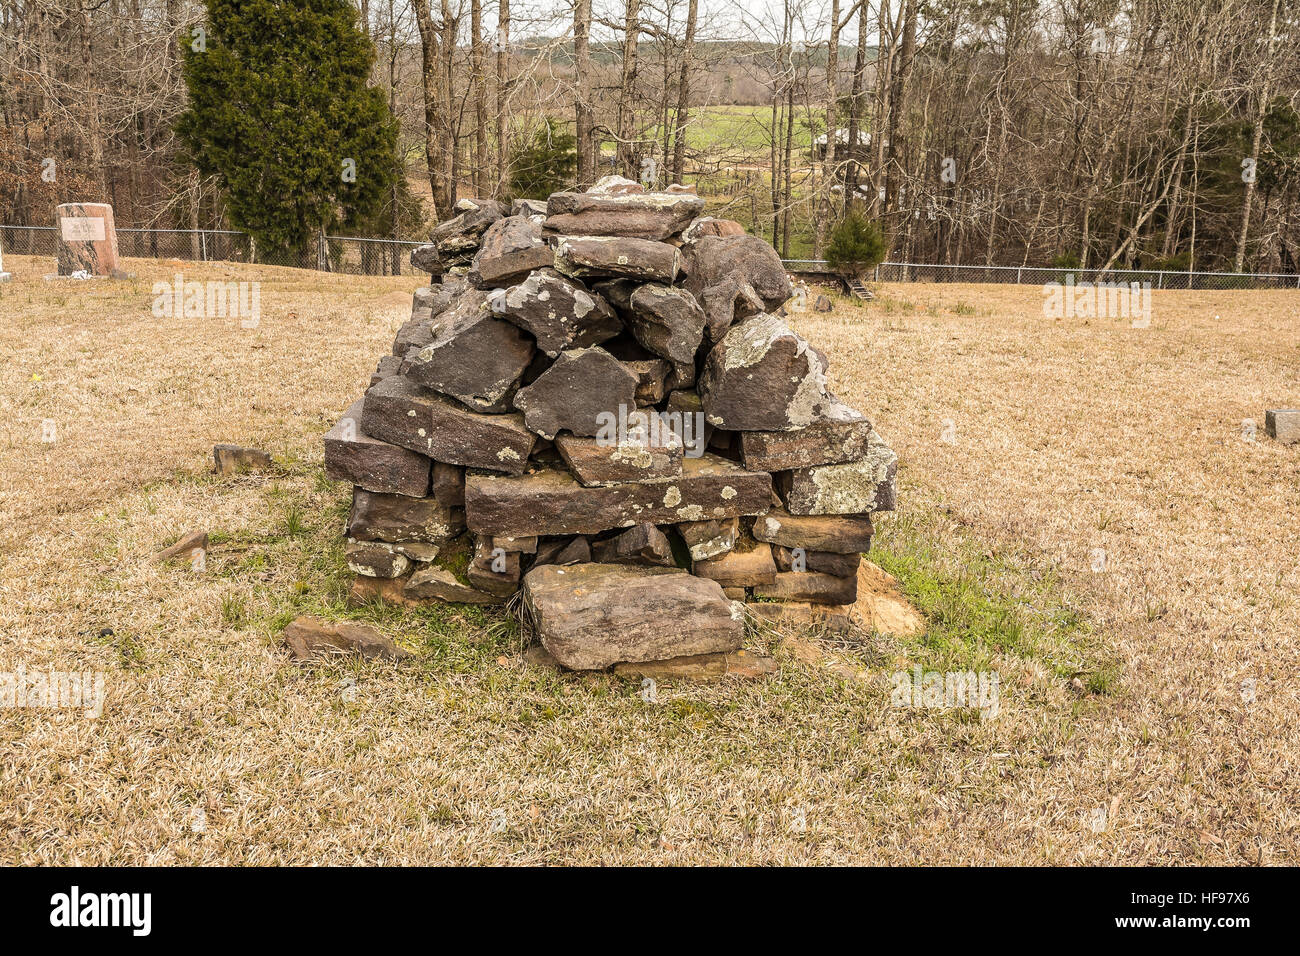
[(312, 639), (235, 460)]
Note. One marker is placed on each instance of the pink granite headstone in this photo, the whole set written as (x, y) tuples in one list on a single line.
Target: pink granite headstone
[(87, 239)]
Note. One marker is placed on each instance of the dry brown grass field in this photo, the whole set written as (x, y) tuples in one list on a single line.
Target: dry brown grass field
[(1148, 710)]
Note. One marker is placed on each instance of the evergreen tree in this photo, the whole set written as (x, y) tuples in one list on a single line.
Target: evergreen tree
[(857, 245), (280, 111), (546, 164)]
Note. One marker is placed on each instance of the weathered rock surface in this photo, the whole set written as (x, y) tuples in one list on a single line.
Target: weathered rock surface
[(794, 616), (669, 323), (552, 502), (472, 356), (826, 562), (716, 257), (564, 551), (493, 569), (532, 208), (855, 487), (839, 434), (353, 456), (651, 379), (645, 259), (743, 663), (511, 248), (641, 544), (394, 518), (645, 454), (747, 565), (709, 226), (237, 460), (87, 239), (442, 584), (592, 616), (574, 392), (376, 559), (645, 215), (425, 259), (1283, 425), (559, 312), (449, 484), (728, 301), (183, 548), (708, 539), (458, 237), (310, 638), (844, 534), (403, 413), (811, 586), (763, 377)]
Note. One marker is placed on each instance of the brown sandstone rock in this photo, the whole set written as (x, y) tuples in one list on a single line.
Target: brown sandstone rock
[(827, 562), (574, 392), (716, 257), (670, 323), (398, 411), (844, 534), (596, 462), (511, 248), (708, 539), (645, 215), (559, 312), (613, 256), (353, 456), (592, 616), (236, 460), (855, 487), (839, 434), (810, 586), (394, 518), (641, 544), (310, 638), (742, 663)]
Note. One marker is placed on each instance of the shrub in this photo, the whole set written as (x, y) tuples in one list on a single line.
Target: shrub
[(857, 246)]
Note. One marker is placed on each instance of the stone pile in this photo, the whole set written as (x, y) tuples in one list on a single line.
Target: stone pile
[(598, 404)]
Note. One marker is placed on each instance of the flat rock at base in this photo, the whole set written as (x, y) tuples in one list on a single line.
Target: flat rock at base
[(375, 559), (827, 562), (592, 616), (511, 248), (1283, 425), (563, 551), (552, 502), (763, 377), (811, 586), (367, 590), (839, 435), (642, 544), (558, 312), (312, 639), (473, 356), (882, 606), (574, 393), (596, 462), (708, 539), (440, 583), (398, 411), (613, 256), (235, 460), (496, 571), (802, 615), (741, 663), (742, 567), (646, 215), (855, 487), (397, 518), (716, 257), (844, 534), (670, 323), (353, 456)]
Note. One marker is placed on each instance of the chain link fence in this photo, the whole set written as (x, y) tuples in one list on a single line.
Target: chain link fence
[(354, 255), (351, 255), (1031, 275)]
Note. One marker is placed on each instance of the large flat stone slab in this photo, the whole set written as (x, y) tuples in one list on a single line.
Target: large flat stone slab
[(615, 256), (397, 410), (643, 455), (353, 456), (592, 616), (840, 434), (551, 502), (855, 487), (843, 534), (644, 215)]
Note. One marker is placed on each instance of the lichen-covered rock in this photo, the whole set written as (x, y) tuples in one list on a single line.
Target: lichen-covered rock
[(394, 518), (592, 616), (644, 215), (644, 454), (762, 376), (551, 502), (575, 393), (643, 259), (855, 487), (472, 356), (458, 237), (708, 539), (558, 312), (399, 411), (353, 456), (838, 434)]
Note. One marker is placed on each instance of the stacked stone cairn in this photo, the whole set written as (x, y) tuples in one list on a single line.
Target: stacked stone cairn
[(598, 404)]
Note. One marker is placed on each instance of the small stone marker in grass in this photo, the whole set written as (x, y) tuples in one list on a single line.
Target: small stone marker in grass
[(87, 240), (312, 639), (235, 460), (1283, 425)]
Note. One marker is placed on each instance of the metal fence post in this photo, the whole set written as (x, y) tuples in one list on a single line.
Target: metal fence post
[(203, 244)]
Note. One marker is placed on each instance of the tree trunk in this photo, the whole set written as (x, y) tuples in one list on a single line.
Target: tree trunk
[(587, 150), (684, 96)]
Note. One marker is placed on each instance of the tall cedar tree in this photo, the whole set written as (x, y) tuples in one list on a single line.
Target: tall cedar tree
[(278, 102)]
